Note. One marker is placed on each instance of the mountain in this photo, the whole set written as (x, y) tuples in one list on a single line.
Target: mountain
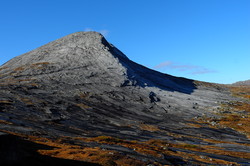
[(247, 82), (88, 102)]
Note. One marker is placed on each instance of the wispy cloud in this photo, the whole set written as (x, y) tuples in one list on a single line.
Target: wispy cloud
[(191, 69), (203, 71), (104, 32), (163, 65), (88, 29)]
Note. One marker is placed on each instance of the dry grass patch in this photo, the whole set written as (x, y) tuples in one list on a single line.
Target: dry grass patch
[(84, 95), (155, 148), (226, 142), (19, 69), (2, 68), (163, 147), (198, 159), (209, 85), (241, 91), (83, 106), (237, 122), (39, 65), (5, 122), (235, 115), (88, 154), (158, 147), (140, 147), (212, 150), (148, 127), (27, 101), (195, 125), (239, 119), (6, 101)]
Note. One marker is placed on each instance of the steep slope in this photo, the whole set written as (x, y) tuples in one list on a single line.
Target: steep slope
[(82, 89)]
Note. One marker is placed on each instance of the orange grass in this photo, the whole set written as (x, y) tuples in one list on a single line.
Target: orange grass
[(27, 101), (155, 148), (5, 122), (241, 91), (83, 106), (148, 127), (19, 69), (6, 101), (238, 120)]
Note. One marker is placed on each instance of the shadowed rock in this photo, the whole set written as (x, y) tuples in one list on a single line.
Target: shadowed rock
[(14, 151)]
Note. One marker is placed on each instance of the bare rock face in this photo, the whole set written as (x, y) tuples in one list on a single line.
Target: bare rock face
[(84, 66), (76, 56), (83, 86)]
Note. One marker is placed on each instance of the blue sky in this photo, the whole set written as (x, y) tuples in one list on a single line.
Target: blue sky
[(206, 40)]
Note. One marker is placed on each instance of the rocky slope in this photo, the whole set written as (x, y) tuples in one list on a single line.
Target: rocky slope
[(81, 94)]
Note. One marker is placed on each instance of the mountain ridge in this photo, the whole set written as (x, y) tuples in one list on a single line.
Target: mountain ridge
[(246, 82), (94, 40)]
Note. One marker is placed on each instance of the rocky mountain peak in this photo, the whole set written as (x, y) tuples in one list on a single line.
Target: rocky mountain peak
[(81, 88), (70, 50), (72, 59)]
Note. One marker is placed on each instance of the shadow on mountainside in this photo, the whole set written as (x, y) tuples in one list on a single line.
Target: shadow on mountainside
[(63, 62), (142, 76), (14, 151), (145, 77)]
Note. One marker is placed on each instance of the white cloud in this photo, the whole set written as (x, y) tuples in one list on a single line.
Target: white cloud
[(163, 65), (88, 29), (202, 70), (191, 69), (104, 32)]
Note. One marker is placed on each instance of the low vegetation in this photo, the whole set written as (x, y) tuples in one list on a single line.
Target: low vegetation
[(241, 91), (148, 127), (239, 117), (234, 115), (155, 148)]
